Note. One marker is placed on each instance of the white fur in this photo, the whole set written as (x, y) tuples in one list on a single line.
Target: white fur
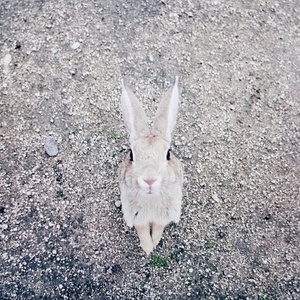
[(166, 114), (150, 185), (133, 114)]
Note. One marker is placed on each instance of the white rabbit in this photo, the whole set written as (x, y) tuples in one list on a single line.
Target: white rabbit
[(150, 176)]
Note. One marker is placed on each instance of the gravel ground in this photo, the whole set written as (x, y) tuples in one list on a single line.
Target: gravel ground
[(61, 226)]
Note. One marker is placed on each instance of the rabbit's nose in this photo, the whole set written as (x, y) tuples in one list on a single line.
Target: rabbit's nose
[(149, 181)]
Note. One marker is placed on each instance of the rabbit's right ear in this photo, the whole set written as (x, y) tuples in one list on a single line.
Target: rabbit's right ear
[(133, 114), (165, 117)]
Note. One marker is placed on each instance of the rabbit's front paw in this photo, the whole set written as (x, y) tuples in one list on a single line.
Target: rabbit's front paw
[(145, 238), (147, 247), (157, 231)]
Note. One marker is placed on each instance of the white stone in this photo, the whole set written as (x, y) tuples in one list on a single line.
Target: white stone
[(51, 146), (75, 45)]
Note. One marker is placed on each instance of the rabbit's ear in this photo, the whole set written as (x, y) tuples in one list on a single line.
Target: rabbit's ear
[(133, 114), (166, 114)]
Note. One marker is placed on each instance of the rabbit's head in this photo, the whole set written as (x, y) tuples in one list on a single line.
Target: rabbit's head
[(150, 164)]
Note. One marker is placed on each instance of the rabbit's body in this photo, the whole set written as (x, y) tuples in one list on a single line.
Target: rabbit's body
[(150, 176), (162, 206)]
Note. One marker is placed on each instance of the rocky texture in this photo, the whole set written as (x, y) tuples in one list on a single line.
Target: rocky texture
[(62, 232)]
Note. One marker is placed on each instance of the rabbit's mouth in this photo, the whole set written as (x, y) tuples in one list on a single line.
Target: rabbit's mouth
[(150, 191)]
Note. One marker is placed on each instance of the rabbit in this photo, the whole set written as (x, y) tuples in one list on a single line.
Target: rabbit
[(150, 176)]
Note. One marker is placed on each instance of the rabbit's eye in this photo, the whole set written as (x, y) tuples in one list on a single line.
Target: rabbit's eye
[(131, 155), (168, 154)]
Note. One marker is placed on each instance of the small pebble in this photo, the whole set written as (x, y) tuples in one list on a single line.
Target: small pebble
[(4, 226), (151, 58), (75, 45), (118, 203), (51, 146), (215, 197), (7, 59), (18, 45)]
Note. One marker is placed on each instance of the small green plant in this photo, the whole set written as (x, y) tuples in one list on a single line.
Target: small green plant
[(172, 256), (264, 297), (209, 244), (60, 194), (112, 135), (158, 261), (288, 239)]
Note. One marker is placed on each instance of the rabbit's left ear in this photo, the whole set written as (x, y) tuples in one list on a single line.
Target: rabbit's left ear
[(133, 113), (166, 114)]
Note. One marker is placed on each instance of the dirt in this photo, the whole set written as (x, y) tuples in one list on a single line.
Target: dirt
[(62, 235)]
